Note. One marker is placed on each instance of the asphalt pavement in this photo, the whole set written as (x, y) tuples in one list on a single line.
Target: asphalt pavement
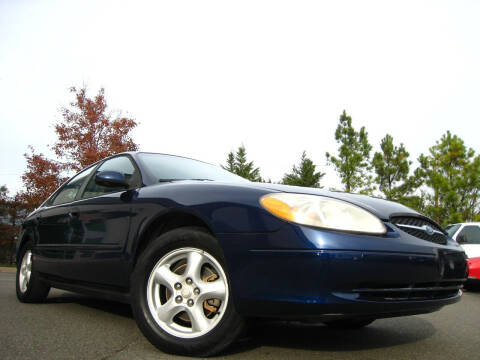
[(70, 326)]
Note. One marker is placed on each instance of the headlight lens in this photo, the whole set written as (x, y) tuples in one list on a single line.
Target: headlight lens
[(321, 211)]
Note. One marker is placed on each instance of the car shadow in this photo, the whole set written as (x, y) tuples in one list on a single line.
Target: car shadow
[(113, 307), (318, 337), (472, 288), (294, 335)]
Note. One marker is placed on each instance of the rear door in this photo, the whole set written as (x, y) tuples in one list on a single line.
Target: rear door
[(56, 240)]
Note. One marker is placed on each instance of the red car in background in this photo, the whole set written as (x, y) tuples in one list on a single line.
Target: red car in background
[(473, 272)]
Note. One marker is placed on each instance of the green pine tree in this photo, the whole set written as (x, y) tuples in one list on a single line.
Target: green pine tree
[(230, 162), (237, 163), (304, 174), (452, 172), (352, 163), (392, 167)]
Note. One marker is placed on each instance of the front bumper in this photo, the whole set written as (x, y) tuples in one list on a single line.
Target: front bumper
[(329, 274)]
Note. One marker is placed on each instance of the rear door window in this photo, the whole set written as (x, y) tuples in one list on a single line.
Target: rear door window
[(470, 235)]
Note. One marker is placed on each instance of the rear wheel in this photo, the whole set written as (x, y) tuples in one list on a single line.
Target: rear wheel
[(349, 323), (181, 295), (28, 285)]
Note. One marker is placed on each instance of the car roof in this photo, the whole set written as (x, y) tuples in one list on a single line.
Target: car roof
[(466, 223), (133, 153)]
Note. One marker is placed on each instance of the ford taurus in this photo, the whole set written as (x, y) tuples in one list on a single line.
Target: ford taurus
[(197, 250)]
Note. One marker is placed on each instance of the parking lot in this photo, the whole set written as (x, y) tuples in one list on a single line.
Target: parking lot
[(70, 326)]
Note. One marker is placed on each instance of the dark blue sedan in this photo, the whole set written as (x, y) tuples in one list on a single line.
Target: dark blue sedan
[(197, 250)]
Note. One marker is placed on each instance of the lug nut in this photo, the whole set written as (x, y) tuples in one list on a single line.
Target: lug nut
[(178, 299), (196, 291), (189, 281), (190, 302), (178, 286)]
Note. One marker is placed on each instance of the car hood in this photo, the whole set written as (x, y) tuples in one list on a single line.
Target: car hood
[(383, 209)]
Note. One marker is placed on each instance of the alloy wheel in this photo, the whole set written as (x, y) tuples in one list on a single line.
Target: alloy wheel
[(25, 271), (187, 292)]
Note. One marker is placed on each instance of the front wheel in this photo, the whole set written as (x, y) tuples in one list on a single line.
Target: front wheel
[(28, 285), (181, 294)]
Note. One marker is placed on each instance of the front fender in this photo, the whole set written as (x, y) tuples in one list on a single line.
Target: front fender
[(224, 208), (26, 233)]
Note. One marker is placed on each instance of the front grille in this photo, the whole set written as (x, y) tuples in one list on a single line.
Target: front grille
[(420, 228), (410, 292)]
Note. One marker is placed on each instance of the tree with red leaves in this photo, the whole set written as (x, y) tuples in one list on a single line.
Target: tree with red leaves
[(40, 179), (87, 133)]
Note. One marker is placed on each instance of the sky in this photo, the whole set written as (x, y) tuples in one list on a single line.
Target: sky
[(203, 77)]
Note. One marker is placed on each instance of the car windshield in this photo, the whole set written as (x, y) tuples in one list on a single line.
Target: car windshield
[(452, 229), (166, 168)]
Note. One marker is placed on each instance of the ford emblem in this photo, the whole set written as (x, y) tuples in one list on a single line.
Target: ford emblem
[(429, 230)]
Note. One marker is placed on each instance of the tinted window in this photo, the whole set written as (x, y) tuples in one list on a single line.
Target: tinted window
[(121, 164), (452, 229), (470, 234), (168, 167), (70, 189)]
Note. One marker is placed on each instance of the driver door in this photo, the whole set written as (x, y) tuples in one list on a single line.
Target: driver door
[(101, 224)]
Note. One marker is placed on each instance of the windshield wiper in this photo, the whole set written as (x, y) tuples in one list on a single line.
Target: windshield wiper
[(172, 180), (169, 180)]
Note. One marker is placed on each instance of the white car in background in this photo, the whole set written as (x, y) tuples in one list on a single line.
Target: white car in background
[(467, 235)]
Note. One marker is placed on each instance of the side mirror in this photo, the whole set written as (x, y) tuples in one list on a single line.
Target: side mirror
[(461, 239), (111, 179)]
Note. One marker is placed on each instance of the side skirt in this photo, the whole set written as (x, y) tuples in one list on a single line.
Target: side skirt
[(94, 290)]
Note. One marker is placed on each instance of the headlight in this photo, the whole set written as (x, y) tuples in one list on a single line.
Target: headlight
[(321, 211)]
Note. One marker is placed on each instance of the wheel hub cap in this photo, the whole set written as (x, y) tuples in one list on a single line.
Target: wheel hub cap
[(186, 292)]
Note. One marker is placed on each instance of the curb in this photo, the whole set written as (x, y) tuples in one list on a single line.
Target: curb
[(8, 269)]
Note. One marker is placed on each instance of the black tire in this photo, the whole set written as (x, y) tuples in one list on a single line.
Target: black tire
[(36, 289), (351, 324), (229, 327), (472, 285)]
